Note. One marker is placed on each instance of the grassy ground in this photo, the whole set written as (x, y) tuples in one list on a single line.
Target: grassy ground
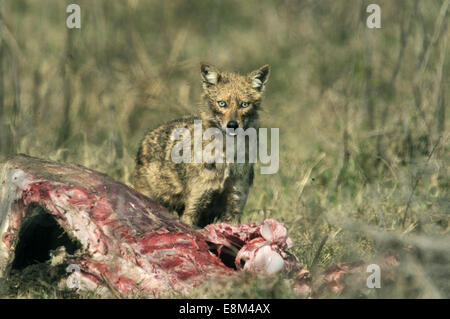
[(362, 114)]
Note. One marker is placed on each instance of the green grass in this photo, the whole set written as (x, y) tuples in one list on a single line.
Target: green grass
[(360, 112)]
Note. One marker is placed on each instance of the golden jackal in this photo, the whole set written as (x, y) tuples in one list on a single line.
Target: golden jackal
[(202, 192)]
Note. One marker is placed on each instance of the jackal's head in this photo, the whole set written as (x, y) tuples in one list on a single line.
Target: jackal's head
[(233, 100)]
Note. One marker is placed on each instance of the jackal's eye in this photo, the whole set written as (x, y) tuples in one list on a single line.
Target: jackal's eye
[(245, 104), (221, 103)]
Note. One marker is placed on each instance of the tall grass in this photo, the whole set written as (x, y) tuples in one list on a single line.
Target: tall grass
[(362, 112)]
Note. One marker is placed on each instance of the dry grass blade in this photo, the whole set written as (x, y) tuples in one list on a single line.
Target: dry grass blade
[(417, 181)]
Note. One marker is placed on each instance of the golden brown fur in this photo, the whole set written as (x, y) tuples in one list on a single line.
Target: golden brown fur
[(202, 192)]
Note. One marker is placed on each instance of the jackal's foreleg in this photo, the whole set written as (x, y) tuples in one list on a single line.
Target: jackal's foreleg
[(236, 200)]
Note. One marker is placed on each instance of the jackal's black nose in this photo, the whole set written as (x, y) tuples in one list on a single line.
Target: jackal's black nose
[(233, 124)]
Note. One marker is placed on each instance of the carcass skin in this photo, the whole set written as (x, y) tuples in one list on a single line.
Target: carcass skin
[(129, 244), (128, 241)]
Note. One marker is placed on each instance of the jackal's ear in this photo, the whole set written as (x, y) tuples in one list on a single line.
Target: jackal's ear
[(259, 77), (210, 75)]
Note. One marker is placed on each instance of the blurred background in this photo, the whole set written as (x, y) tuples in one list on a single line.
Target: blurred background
[(362, 113)]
